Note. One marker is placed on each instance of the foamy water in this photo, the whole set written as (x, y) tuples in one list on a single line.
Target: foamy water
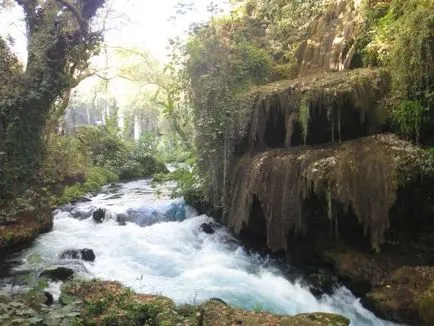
[(162, 250)]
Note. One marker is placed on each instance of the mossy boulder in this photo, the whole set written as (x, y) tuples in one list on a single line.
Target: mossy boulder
[(23, 219), (58, 274), (406, 295), (216, 313), (109, 303)]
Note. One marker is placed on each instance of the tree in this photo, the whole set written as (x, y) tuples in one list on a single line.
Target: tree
[(60, 42), (164, 84)]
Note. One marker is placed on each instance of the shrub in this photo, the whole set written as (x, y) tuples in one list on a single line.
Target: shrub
[(96, 177)]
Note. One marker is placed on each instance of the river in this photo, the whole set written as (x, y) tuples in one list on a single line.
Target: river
[(161, 249)]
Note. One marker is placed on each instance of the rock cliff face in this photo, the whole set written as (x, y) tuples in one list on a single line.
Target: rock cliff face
[(357, 181), (331, 43), (313, 171)]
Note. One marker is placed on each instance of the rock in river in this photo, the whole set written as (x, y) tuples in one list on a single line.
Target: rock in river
[(99, 215), (57, 274), (207, 228), (85, 254)]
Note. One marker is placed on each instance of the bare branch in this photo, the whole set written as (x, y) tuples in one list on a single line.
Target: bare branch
[(76, 12)]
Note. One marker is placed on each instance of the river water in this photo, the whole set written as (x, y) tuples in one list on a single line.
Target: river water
[(161, 249)]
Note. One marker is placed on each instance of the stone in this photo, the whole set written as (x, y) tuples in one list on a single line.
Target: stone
[(99, 215), (321, 282), (58, 274), (85, 254), (406, 295), (207, 228), (49, 299), (122, 219)]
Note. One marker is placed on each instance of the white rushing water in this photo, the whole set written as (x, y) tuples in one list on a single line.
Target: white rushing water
[(168, 254)]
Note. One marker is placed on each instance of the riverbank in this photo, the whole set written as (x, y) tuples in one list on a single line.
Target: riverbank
[(23, 221), (98, 302)]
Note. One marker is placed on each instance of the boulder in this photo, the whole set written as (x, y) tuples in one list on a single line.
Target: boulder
[(87, 254), (84, 254), (321, 282), (217, 312), (58, 274), (49, 299), (115, 196), (207, 228), (122, 219), (99, 215), (406, 296)]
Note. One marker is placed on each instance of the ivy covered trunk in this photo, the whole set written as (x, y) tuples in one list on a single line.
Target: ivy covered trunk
[(59, 46)]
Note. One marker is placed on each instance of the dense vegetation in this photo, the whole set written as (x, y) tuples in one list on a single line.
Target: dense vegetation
[(259, 42), (59, 46)]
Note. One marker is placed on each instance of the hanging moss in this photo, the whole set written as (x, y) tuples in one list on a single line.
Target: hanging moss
[(362, 175), (304, 117), (314, 109)]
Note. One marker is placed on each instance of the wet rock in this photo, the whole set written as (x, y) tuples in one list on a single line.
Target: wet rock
[(99, 215), (359, 271), (122, 219), (87, 254), (81, 214), (67, 208), (84, 254), (217, 312), (208, 228), (176, 212), (406, 296), (116, 196), (218, 300), (144, 216), (58, 274), (321, 282), (49, 299)]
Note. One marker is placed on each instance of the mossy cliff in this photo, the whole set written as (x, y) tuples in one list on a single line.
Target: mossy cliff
[(361, 176), (314, 109), (314, 170)]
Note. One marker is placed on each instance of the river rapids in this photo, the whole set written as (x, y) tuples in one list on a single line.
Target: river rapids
[(161, 249)]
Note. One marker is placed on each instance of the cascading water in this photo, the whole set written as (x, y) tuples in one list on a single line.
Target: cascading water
[(156, 245)]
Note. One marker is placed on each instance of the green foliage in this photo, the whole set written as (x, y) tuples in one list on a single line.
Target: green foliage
[(186, 181), (223, 58), (171, 149), (374, 11), (102, 146), (106, 149), (63, 157), (57, 48), (398, 35), (146, 145), (95, 178), (408, 117)]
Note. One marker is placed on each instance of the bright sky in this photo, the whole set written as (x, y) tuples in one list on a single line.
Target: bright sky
[(143, 24), (147, 25)]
